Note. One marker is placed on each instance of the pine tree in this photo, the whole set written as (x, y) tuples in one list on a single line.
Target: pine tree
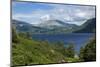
[(70, 50), (14, 35), (88, 53)]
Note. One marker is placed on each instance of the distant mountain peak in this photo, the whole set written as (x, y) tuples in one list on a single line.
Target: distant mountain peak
[(46, 17), (88, 27)]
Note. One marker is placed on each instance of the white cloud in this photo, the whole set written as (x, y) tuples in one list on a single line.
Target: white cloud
[(68, 18), (70, 14), (45, 17), (81, 14)]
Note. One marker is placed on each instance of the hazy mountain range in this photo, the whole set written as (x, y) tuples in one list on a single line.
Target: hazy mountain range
[(55, 26), (89, 26)]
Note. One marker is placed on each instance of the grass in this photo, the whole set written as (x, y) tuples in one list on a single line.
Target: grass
[(28, 51)]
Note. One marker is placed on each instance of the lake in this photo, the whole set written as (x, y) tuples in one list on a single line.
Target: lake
[(79, 39)]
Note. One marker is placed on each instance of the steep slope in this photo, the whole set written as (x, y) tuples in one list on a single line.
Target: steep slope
[(21, 26), (56, 23), (57, 26), (88, 27), (34, 52), (26, 27), (27, 51), (50, 26)]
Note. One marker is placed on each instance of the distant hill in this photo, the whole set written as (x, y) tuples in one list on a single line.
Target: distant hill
[(88, 27), (50, 26), (22, 26), (55, 26), (56, 23)]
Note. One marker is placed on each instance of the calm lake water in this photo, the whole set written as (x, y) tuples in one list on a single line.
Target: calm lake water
[(79, 39)]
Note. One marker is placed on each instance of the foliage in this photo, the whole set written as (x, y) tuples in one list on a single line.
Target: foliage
[(88, 53), (26, 51), (25, 35), (88, 27), (34, 52), (73, 60), (14, 36), (70, 50)]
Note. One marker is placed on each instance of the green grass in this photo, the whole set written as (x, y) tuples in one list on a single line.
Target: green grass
[(28, 51)]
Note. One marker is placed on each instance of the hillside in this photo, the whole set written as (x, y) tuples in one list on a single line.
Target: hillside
[(55, 26), (50, 26), (22, 26), (88, 27), (56, 23), (26, 51)]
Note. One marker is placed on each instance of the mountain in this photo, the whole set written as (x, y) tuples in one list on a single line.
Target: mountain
[(49, 26), (56, 23), (55, 26), (88, 27), (22, 26)]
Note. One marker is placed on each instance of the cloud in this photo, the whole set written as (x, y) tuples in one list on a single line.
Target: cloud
[(74, 14), (46, 17)]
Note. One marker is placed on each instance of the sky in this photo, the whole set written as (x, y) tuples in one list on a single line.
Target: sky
[(34, 13)]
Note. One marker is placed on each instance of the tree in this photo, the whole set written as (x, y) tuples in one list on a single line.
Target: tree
[(27, 35), (14, 35), (70, 50), (88, 53)]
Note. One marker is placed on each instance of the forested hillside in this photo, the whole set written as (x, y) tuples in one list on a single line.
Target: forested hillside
[(88, 27), (27, 51)]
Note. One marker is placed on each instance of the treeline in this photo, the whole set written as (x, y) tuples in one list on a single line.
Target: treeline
[(88, 53), (26, 51)]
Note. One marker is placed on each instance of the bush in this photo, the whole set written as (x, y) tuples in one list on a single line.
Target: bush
[(88, 53), (70, 50), (14, 36)]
